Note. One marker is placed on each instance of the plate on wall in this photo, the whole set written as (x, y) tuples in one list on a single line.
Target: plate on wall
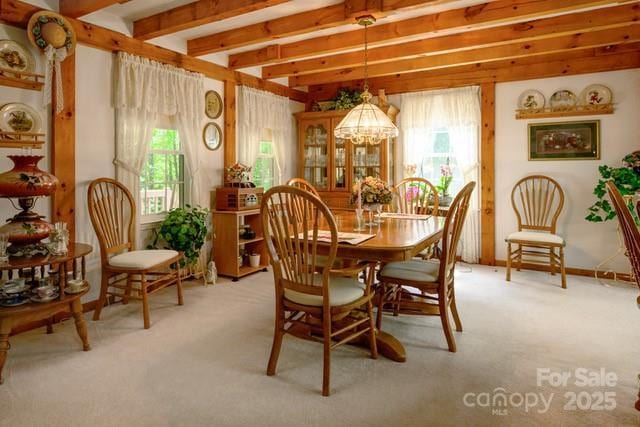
[(18, 117), (596, 94), (531, 99), (14, 56), (563, 99)]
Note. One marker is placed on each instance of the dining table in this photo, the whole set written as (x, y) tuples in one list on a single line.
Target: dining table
[(394, 238)]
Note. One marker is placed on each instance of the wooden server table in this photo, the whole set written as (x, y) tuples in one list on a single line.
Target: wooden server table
[(32, 269)]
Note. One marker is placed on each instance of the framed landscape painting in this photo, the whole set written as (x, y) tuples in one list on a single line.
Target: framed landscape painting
[(565, 140)]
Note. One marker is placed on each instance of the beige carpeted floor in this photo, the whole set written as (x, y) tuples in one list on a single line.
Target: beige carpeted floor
[(204, 363)]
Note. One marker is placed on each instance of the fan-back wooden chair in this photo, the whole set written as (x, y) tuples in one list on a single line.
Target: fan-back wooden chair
[(629, 229), (126, 272), (537, 201), (311, 301), (303, 184), (433, 278), (416, 195)]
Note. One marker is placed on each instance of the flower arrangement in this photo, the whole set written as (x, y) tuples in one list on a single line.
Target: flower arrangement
[(446, 176), (371, 190)]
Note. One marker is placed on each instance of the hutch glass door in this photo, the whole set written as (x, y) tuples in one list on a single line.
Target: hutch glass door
[(316, 162), (366, 160)]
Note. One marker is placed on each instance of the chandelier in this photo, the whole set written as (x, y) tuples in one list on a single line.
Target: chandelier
[(366, 123)]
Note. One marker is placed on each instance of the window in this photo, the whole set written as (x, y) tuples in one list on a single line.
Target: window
[(437, 152), (265, 166), (162, 185)]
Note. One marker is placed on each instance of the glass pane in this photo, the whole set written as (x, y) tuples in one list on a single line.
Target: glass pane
[(315, 155)]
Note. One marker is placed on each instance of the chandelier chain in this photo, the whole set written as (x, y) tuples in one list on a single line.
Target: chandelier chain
[(366, 58)]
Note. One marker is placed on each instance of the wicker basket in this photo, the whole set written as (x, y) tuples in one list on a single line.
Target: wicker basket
[(238, 199)]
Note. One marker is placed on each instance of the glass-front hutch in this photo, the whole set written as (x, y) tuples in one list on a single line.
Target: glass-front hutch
[(332, 164)]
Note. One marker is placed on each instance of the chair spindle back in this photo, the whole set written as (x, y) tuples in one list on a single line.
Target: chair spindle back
[(303, 184), (452, 231), (537, 201), (415, 195), (112, 212), (628, 227), (292, 219)]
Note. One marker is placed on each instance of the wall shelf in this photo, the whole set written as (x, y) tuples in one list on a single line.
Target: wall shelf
[(578, 110), (21, 80), (21, 140)]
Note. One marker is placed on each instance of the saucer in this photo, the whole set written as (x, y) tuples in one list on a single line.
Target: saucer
[(49, 298), (74, 290), (15, 303), (10, 289)]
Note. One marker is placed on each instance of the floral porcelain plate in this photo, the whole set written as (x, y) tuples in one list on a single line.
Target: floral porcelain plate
[(563, 99), (17, 117), (596, 95), (15, 57), (531, 100)]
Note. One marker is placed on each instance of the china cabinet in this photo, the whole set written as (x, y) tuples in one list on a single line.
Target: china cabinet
[(332, 164)]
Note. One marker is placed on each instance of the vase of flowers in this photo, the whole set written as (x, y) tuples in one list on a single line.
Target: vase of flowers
[(446, 176), (371, 193)]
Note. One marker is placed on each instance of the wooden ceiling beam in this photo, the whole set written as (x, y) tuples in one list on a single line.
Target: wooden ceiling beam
[(194, 14), (527, 31), (557, 64), (474, 17), (300, 23), (17, 13), (628, 34), (78, 8)]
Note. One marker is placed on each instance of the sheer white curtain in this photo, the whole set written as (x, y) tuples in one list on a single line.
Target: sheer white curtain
[(258, 111), (457, 111), (146, 90)]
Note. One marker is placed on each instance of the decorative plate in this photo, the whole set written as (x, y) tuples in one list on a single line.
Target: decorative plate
[(51, 297), (212, 136), (17, 117), (14, 56), (563, 99), (596, 95), (531, 100), (212, 104)]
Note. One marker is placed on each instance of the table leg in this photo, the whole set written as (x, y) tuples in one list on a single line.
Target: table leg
[(81, 325), (5, 330)]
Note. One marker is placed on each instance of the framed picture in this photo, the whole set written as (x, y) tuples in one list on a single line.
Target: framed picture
[(212, 104), (565, 140), (212, 136)]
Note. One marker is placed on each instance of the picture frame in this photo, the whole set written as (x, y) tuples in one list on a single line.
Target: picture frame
[(213, 104), (576, 140), (212, 136)]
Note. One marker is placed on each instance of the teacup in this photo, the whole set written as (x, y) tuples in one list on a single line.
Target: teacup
[(19, 281), (45, 291), (75, 284)]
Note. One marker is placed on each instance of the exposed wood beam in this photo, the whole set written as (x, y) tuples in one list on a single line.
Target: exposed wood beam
[(592, 39), (17, 13), (487, 174), (526, 31), (194, 14), (300, 23), (474, 17), (607, 58), (78, 8), (230, 151)]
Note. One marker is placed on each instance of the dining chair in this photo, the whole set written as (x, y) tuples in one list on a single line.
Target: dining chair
[(433, 278), (126, 272), (303, 184), (537, 201), (416, 195), (311, 301), (629, 229)]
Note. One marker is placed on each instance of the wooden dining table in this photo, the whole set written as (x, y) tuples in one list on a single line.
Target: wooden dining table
[(394, 240)]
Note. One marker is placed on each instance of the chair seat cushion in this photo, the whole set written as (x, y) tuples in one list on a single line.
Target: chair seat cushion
[(535, 236), (342, 291), (142, 260), (412, 270)]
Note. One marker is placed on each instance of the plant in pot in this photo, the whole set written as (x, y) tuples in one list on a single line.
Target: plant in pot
[(627, 179), (346, 99), (184, 230), (446, 176)]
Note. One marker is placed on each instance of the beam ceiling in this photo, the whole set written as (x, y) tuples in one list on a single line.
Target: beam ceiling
[(78, 8)]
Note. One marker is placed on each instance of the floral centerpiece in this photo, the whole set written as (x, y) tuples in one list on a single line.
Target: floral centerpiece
[(371, 191)]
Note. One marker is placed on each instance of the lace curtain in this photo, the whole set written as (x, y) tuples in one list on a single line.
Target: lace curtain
[(259, 111), (146, 90), (457, 111)]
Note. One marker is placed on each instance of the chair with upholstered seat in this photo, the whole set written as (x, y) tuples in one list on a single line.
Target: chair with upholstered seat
[(415, 195), (312, 301), (433, 278), (629, 229), (537, 201), (126, 272)]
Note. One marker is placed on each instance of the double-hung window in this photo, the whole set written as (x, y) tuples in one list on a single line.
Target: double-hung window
[(433, 152), (265, 166)]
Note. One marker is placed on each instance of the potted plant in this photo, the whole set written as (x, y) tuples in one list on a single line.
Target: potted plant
[(184, 230), (446, 176), (346, 99), (628, 182)]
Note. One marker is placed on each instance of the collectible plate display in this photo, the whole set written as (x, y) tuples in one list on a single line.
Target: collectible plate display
[(531, 100), (14, 56), (562, 100), (596, 94), (18, 117)]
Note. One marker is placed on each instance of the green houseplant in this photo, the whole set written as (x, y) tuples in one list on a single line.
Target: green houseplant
[(346, 99), (627, 181), (184, 230)]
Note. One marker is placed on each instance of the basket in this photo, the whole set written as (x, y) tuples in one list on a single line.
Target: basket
[(238, 199)]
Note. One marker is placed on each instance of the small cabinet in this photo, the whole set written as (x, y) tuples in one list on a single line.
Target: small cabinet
[(231, 250)]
